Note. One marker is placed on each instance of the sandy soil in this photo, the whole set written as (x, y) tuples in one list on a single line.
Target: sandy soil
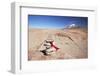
[(72, 43)]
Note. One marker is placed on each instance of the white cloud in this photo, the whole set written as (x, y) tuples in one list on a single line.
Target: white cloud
[(72, 25)]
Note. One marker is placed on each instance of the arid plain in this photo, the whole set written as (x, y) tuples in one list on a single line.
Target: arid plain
[(73, 43)]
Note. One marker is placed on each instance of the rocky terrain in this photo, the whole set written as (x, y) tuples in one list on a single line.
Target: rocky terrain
[(72, 42)]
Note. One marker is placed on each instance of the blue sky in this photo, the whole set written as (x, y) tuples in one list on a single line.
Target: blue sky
[(55, 22)]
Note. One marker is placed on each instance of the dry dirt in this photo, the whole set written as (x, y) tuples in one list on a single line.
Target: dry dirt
[(72, 43)]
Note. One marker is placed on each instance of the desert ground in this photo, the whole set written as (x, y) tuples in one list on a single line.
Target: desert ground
[(72, 42)]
